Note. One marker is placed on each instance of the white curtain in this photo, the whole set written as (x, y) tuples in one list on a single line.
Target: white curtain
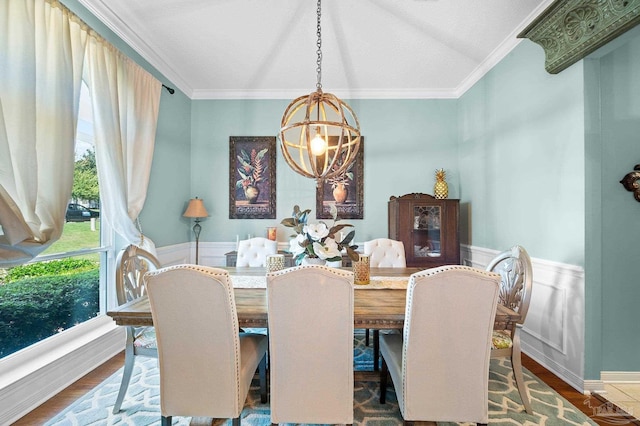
[(42, 48), (125, 100)]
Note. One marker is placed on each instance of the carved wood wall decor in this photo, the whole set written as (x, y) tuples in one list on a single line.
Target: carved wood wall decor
[(630, 182), (569, 30)]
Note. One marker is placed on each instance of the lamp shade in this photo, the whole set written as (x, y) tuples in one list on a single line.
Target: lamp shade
[(195, 208)]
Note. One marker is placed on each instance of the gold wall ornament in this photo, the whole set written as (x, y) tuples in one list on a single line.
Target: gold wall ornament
[(319, 133), (569, 30), (630, 182)]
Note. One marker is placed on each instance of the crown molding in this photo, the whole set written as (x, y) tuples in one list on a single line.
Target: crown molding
[(569, 30), (423, 93), (104, 14)]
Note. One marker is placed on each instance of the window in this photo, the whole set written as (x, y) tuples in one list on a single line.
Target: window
[(64, 286)]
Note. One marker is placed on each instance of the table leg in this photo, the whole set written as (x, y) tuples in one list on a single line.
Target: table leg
[(376, 349)]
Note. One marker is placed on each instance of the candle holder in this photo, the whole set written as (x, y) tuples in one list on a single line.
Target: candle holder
[(275, 262), (271, 233), (361, 270)]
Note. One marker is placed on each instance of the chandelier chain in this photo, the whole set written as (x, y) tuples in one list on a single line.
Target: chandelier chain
[(319, 45), (321, 115)]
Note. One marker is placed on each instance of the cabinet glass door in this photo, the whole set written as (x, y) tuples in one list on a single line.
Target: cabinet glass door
[(426, 231)]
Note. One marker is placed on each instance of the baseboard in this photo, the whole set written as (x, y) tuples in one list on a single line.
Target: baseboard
[(566, 375), (620, 376), (32, 376), (594, 386)]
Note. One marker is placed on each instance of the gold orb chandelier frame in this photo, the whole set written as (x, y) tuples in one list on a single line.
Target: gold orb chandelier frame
[(319, 133)]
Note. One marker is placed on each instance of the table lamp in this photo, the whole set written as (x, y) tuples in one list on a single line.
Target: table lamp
[(196, 210)]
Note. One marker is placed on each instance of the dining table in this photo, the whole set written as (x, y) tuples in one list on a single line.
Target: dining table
[(378, 305)]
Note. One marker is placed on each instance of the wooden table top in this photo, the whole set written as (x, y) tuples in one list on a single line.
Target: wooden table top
[(373, 308)]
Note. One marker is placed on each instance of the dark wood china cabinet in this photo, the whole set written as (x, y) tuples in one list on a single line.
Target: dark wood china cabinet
[(428, 227)]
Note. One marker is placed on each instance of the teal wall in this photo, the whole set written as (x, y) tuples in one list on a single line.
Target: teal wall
[(613, 332), (170, 180), (405, 141), (593, 222), (521, 156)]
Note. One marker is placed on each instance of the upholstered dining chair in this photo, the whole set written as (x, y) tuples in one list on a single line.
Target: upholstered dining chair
[(131, 265), (311, 372), (442, 373), (383, 253), (206, 365), (514, 266), (254, 251)]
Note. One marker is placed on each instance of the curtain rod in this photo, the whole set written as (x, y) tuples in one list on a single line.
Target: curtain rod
[(94, 33)]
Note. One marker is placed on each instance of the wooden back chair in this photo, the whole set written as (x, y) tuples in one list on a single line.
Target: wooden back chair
[(132, 263), (514, 267)]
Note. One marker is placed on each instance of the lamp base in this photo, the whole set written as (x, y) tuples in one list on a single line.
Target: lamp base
[(196, 230)]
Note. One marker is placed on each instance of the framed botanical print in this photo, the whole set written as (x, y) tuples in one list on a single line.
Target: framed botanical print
[(345, 191), (252, 177)]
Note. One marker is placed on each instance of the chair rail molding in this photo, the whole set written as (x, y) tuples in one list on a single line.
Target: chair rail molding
[(569, 30)]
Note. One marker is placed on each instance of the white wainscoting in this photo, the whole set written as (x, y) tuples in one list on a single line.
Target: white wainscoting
[(210, 254), (553, 333)]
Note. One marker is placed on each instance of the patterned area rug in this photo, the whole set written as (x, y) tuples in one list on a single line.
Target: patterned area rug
[(141, 405)]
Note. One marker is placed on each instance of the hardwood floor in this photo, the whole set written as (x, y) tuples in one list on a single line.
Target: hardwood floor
[(56, 404), (586, 403), (46, 411)]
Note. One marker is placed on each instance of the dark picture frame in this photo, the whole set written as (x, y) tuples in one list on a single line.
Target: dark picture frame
[(252, 177), (353, 205)]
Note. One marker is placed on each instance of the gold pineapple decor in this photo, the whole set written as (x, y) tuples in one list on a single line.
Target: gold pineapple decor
[(440, 189)]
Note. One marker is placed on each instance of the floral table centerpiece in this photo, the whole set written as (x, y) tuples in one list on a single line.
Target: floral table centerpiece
[(318, 241)]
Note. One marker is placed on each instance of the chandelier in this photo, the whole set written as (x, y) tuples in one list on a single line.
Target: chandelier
[(319, 133)]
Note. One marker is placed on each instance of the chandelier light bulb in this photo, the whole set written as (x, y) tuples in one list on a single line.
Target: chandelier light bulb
[(318, 144)]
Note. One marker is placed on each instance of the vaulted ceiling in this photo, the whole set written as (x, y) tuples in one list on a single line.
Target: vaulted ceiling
[(244, 49)]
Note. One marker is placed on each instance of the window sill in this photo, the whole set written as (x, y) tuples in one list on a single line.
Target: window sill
[(33, 375)]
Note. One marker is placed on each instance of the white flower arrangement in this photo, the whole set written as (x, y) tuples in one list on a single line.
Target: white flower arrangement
[(318, 240)]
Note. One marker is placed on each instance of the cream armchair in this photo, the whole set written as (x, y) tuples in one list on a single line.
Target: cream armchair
[(514, 266), (311, 369), (383, 253), (132, 263), (440, 364), (254, 251), (206, 365)]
